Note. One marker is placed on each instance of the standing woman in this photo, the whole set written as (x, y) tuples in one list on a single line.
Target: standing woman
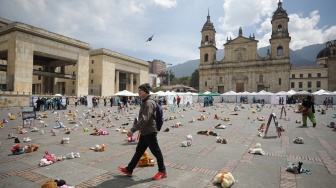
[(308, 111)]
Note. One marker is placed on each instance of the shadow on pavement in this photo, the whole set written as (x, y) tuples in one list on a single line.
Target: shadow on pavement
[(120, 181)]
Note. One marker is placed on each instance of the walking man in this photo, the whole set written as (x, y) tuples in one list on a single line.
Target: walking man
[(308, 111), (148, 134)]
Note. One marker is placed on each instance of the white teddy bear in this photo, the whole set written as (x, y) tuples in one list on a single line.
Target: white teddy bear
[(298, 140), (257, 150), (225, 179), (44, 162)]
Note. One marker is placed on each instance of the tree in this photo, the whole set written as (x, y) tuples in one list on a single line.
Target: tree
[(164, 76), (183, 80), (194, 80)]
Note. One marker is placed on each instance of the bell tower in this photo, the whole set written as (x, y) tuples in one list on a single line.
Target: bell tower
[(280, 38), (208, 48)]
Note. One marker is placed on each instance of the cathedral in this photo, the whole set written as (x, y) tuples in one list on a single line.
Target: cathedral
[(242, 69)]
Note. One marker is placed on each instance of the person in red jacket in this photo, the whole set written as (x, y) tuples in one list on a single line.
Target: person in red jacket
[(178, 101)]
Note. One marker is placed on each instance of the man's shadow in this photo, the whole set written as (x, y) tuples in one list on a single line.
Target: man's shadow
[(121, 181)]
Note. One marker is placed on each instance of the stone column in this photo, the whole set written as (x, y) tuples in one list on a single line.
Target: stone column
[(82, 79), (131, 83), (20, 63), (117, 81)]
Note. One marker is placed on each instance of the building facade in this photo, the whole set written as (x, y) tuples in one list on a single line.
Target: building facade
[(242, 69), (327, 57), (37, 61), (309, 78)]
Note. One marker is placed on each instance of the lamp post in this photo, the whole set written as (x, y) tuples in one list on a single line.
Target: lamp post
[(169, 64)]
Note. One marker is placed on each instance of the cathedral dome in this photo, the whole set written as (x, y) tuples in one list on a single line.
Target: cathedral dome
[(280, 12), (208, 24), (323, 53)]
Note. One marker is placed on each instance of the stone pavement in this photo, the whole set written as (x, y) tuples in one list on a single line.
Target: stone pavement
[(193, 166)]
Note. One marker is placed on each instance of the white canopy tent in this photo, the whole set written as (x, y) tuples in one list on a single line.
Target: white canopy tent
[(229, 96), (125, 93), (321, 95), (275, 97)]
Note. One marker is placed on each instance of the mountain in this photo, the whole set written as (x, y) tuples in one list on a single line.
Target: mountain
[(305, 56)]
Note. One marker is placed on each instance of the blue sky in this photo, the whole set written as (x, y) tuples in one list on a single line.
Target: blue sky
[(124, 25)]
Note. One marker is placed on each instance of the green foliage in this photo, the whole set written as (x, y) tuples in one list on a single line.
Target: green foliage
[(183, 80), (194, 80), (165, 74)]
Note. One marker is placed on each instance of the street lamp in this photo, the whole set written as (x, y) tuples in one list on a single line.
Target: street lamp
[(169, 64)]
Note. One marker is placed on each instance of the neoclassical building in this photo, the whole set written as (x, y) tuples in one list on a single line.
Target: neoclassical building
[(242, 69), (37, 61)]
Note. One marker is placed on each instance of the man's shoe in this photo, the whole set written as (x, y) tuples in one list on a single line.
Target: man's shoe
[(123, 170), (160, 175), (314, 124)]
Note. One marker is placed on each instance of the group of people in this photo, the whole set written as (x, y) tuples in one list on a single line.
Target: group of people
[(43, 104), (208, 101), (328, 101)]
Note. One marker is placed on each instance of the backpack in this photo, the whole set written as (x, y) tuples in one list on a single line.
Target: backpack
[(159, 116)]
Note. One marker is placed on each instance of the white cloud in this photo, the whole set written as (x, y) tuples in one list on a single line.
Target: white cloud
[(242, 13), (166, 3)]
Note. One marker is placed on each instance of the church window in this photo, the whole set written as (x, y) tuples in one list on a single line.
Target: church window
[(206, 84), (279, 51), (206, 57), (280, 27), (300, 84), (261, 78), (206, 38), (240, 57), (318, 84)]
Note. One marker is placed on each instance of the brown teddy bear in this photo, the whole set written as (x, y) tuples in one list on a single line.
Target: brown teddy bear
[(145, 160), (49, 184)]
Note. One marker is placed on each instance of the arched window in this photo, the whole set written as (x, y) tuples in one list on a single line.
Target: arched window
[(240, 57), (279, 51), (206, 38), (261, 78), (280, 27), (206, 57)]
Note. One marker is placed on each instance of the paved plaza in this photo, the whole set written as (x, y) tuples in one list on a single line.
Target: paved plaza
[(193, 166)]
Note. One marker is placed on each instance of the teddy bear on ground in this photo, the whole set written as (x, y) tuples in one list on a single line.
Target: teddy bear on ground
[(45, 162), (49, 157), (34, 129), (17, 150), (188, 141), (49, 184), (221, 140), (226, 179), (217, 117), (291, 167), (261, 118), (30, 148), (220, 126), (257, 150), (145, 160), (98, 148), (298, 140), (65, 141)]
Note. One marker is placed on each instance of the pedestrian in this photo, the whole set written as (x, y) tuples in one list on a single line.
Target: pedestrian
[(178, 101), (111, 101), (148, 134), (308, 111), (76, 102), (105, 101)]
